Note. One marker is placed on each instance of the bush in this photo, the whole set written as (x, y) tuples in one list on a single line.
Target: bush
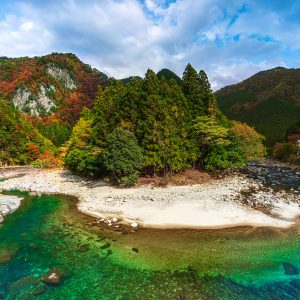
[(46, 160), (250, 141), (223, 157), (123, 157), (84, 162)]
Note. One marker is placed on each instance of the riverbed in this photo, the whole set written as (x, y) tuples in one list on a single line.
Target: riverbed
[(47, 232)]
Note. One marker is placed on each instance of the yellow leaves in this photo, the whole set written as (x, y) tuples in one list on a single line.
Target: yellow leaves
[(81, 134), (250, 139)]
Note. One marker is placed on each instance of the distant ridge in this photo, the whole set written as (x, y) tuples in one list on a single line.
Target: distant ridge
[(268, 100)]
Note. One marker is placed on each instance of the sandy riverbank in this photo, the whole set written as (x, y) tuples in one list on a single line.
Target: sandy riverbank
[(233, 201)]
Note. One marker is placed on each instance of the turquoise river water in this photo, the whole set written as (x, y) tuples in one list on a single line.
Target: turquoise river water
[(47, 232)]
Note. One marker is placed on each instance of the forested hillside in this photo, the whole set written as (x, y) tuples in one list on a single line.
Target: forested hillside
[(52, 89), (154, 125), (20, 142), (268, 101), (158, 124)]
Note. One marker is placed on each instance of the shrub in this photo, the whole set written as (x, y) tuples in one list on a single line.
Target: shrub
[(123, 157), (46, 160), (84, 162), (250, 141), (226, 156)]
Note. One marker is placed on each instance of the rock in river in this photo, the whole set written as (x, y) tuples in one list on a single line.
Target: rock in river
[(290, 269), (8, 204), (53, 277), (5, 256)]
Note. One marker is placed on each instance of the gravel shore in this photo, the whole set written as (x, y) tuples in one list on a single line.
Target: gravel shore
[(235, 200)]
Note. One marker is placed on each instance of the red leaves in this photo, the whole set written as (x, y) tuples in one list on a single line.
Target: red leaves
[(47, 159)]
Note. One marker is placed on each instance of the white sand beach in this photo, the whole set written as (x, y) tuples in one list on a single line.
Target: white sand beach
[(216, 204)]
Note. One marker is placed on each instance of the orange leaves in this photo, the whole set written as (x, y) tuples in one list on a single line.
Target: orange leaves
[(47, 160), (33, 151), (73, 106)]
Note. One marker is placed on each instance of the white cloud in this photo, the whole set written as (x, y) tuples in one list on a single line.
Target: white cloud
[(26, 26), (125, 37), (20, 37)]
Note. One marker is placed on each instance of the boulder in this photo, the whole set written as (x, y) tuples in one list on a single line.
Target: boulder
[(53, 276), (1, 219), (23, 283)]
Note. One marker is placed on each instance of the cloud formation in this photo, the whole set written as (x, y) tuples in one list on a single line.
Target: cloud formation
[(230, 41)]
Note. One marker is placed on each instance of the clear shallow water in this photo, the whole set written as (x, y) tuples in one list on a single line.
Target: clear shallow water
[(99, 263)]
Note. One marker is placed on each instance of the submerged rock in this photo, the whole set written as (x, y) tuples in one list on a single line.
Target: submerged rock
[(1, 219), (53, 276), (39, 290), (23, 283), (5, 257), (290, 269)]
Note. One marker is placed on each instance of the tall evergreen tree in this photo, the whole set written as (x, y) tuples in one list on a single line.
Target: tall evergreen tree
[(193, 91), (207, 94)]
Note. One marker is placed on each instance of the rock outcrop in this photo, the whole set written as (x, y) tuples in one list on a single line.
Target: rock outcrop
[(39, 104), (62, 75)]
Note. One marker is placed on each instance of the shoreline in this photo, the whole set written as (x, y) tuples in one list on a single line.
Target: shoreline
[(217, 204)]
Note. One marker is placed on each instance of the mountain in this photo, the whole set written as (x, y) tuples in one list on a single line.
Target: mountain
[(52, 89), (293, 133), (268, 101), (168, 74), (127, 79)]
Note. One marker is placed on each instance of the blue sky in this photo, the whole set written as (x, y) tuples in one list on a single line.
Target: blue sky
[(230, 40)]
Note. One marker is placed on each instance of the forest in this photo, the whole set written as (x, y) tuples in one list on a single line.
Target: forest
[(20, 142), (158, 126)]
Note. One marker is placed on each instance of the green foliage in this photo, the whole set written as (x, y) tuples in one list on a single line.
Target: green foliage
[(82, 133), (294, 130), (20, 142), (209, 131), (268, 101), (197, 90), (81, 156), (56, 132), (224, 157), (159, 126), (168, 74), (123, 157), (84, 162)]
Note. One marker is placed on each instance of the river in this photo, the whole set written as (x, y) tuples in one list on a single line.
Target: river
[(47, 233)]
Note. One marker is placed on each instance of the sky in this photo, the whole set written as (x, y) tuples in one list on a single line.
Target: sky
[(230, 40)]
